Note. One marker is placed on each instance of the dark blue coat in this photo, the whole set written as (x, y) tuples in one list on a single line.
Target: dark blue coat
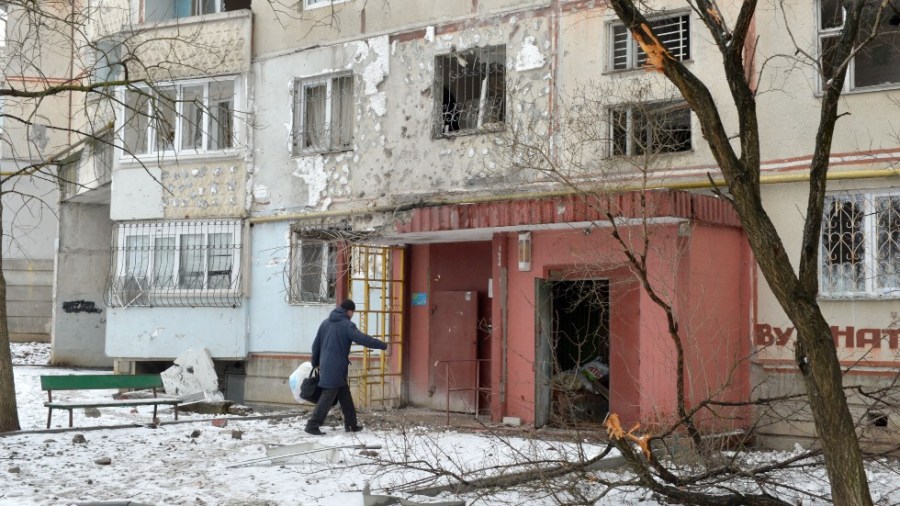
[(331, 348)]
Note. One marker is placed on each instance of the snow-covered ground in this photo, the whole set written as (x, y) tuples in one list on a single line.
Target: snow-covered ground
[(196, 462)]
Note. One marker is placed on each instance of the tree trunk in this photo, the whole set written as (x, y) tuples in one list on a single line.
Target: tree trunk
[(9, 413)]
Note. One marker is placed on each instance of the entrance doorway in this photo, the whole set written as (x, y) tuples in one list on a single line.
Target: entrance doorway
[(573, 351)]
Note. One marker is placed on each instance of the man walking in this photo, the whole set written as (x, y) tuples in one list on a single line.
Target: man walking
[(331, 354)]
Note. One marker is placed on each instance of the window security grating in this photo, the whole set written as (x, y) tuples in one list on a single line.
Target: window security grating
[(175, 264), (673, 32), (861, 245), (470, 91)]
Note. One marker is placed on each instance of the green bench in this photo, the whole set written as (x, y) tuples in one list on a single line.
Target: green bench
[(104, 382)]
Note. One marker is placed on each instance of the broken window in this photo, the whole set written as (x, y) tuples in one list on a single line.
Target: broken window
[(878, 62), (650, 128), (323, 114), (176, 263), (861, 245), (673, 32), (470, 91), (180, 118), (313, 270)]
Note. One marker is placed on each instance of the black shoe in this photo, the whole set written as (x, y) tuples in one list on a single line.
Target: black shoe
[(353, 428), (314, 431)]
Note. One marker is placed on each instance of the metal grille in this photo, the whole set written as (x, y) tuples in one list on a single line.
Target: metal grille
[(470, 91), (176, 263), (673, 32), (313, 270), (861, 245), (376, 285)]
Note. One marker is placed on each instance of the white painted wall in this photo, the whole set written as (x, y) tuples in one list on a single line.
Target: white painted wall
[(164, 333)]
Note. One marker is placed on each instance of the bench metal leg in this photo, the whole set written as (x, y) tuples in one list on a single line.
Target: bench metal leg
[(49, 415), (153, 420), (70, 418), (176, 412)]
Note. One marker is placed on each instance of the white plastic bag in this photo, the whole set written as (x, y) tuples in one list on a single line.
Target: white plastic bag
[(297, 377)]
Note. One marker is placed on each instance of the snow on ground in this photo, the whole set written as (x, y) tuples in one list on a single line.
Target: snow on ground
[(196, 462)]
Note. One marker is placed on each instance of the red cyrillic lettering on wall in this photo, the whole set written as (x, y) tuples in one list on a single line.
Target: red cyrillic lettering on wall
[(893, 336), (848, 335), (873, 339), (763, 334), (782, 336), (767, 335)]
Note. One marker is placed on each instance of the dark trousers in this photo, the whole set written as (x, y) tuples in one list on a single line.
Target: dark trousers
[(342, 394)]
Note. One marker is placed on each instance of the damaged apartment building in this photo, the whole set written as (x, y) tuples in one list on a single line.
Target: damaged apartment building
[(292, 155)]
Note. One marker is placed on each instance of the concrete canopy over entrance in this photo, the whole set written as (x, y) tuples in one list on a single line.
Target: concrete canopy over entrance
[(697, 261)]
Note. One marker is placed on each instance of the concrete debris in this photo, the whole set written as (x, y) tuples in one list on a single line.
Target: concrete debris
[(237, 434), (103, 461), (195, 434), (92, 412), (79, 439), (14, 470), (193, 374), (219, 422)]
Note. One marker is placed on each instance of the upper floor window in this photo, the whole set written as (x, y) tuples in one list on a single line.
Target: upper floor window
[(3, 18), (179, 118), (323, 114), (674, 32), (107, 60), (470, 91), (164, 10), (313, 269), (878, 62), (640, 129), (176, 263), (311, 4), (861, 245)]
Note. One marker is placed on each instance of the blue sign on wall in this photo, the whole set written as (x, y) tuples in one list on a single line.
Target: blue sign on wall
[(419, 299)]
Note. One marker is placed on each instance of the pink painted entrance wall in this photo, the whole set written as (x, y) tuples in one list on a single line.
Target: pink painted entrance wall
[(435, 268), (703, 274)]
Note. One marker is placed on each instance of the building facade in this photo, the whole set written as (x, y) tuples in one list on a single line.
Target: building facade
[(472, 174)]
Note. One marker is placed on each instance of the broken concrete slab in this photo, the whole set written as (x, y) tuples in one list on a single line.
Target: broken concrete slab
[(193, 377)]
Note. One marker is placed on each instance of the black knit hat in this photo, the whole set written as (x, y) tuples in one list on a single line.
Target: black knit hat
[(348, 305)]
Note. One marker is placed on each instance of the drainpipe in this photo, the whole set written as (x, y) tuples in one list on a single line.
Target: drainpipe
[(658, 185)]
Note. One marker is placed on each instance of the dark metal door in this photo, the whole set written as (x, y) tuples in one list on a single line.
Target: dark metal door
[(453, 350)]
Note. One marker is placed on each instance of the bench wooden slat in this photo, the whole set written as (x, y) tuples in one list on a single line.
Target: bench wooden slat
[(111, 404), (100, 381)]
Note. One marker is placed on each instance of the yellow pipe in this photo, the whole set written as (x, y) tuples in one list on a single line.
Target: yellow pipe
[(685, 185)]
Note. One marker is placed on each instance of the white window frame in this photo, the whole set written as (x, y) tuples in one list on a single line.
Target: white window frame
[(647, 109), (633, 50), (171, 229), (869, 263), (4, 19), (318, 4), (329, 264), (299, 109), (151, 130), (141, 7), (850, 80)]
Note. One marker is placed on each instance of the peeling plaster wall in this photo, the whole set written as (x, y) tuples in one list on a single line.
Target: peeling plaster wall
[(394, 157), (204, 189)]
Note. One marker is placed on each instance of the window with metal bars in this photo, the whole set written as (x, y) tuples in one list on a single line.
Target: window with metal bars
[(313, 270), (164, 10), (175, 263), (877, 64), (673, 31), (312, 4), (861, 245), (470, 94), (323, 114), (184, 117), (640, 129)]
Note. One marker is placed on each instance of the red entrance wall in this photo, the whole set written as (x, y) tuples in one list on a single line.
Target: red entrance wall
[(703, 274), (444, 267)]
